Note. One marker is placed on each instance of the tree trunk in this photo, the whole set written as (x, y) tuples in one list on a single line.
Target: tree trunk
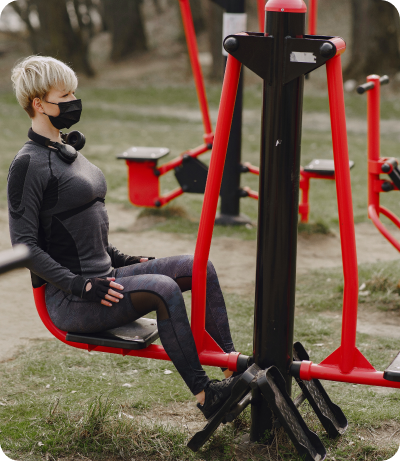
[(375, 39), (214, 30), (198, 17), (126, 25), (56, 36)]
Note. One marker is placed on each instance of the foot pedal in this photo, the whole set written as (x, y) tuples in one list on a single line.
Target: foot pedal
[(239, 392), (331, 416), (192, 175), (392, 372), (323, 167), (273, 388)]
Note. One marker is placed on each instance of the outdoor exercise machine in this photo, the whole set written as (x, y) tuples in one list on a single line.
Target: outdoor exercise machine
[(144, 173), (282, 56), (378, 165)]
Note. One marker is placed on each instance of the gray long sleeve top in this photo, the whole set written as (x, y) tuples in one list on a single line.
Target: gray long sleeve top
[(57, 210)]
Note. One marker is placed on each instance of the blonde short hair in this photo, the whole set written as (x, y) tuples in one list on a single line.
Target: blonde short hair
[(36, 75)]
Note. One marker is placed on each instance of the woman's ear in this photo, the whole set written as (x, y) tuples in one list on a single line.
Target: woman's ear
[(37, 106)]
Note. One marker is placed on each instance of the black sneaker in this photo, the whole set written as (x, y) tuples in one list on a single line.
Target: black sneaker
[(217, 392)]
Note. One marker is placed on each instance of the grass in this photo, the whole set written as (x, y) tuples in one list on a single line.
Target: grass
[(57, 401)]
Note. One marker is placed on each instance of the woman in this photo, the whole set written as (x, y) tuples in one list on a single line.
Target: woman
[(56, 207)]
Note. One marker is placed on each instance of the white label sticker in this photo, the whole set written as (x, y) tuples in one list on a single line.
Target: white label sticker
[(301, 56), (233, 23)]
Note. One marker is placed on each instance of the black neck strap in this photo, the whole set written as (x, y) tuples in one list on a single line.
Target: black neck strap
[(65, 152), (39, 139)]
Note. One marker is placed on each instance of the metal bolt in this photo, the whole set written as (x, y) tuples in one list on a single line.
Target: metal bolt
[(282, 9), (326, 50), (231, 44)]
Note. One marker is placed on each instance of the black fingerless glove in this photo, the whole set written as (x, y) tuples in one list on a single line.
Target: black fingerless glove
[(136, 259), (119, 259), (98, 291)]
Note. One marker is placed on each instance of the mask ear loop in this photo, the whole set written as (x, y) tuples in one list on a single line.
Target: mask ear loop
[(48, 102)]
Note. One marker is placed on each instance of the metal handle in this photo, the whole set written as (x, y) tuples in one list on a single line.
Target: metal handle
[(365, 87), (384, 80), (14, 258)]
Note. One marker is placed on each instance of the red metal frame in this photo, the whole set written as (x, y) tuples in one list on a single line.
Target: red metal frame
[(143, 177), (261, 14), (375, 162), (209, 351), (210, 356), (345, 364), (312, 17), (305, 176), (211, 195)]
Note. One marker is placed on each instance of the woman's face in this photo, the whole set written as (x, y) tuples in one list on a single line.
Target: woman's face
[(55, 96)]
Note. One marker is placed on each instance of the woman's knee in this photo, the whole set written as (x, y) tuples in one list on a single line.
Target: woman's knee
[(166, 287), (211, 269)]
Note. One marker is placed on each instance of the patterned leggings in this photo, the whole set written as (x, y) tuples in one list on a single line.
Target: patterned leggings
[(155, 285)]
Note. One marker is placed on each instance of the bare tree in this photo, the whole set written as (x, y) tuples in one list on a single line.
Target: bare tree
[(214, 30), (375, 39), (59, 28), (198, 17), (125, 22)]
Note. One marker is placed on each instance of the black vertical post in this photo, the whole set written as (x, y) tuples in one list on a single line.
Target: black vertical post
[(230, 187), (277, 215)]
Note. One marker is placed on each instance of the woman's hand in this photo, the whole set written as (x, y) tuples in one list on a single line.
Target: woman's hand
[(100, 290)]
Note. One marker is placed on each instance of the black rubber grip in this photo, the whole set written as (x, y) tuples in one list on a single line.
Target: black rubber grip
[(365, 87), (384, 80), (12, 259)]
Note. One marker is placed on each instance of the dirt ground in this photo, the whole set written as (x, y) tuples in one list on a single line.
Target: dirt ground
[(234, 260)]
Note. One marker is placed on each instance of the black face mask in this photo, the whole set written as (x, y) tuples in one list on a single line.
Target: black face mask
[(70, 113)]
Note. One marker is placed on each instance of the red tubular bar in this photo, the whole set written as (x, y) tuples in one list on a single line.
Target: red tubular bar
[(261, 14), (196, 68), (251, 193), (373, 116), (252, 169), (312, 17), (375, 162), (164, 199), (345, 210), (370, 377), (346, 364), (390, 215), (373, 213), (304, 206), (178, 160), (211, 195)]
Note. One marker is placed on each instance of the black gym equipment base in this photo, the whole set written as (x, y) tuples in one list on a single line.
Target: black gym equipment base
[(271, 385)]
